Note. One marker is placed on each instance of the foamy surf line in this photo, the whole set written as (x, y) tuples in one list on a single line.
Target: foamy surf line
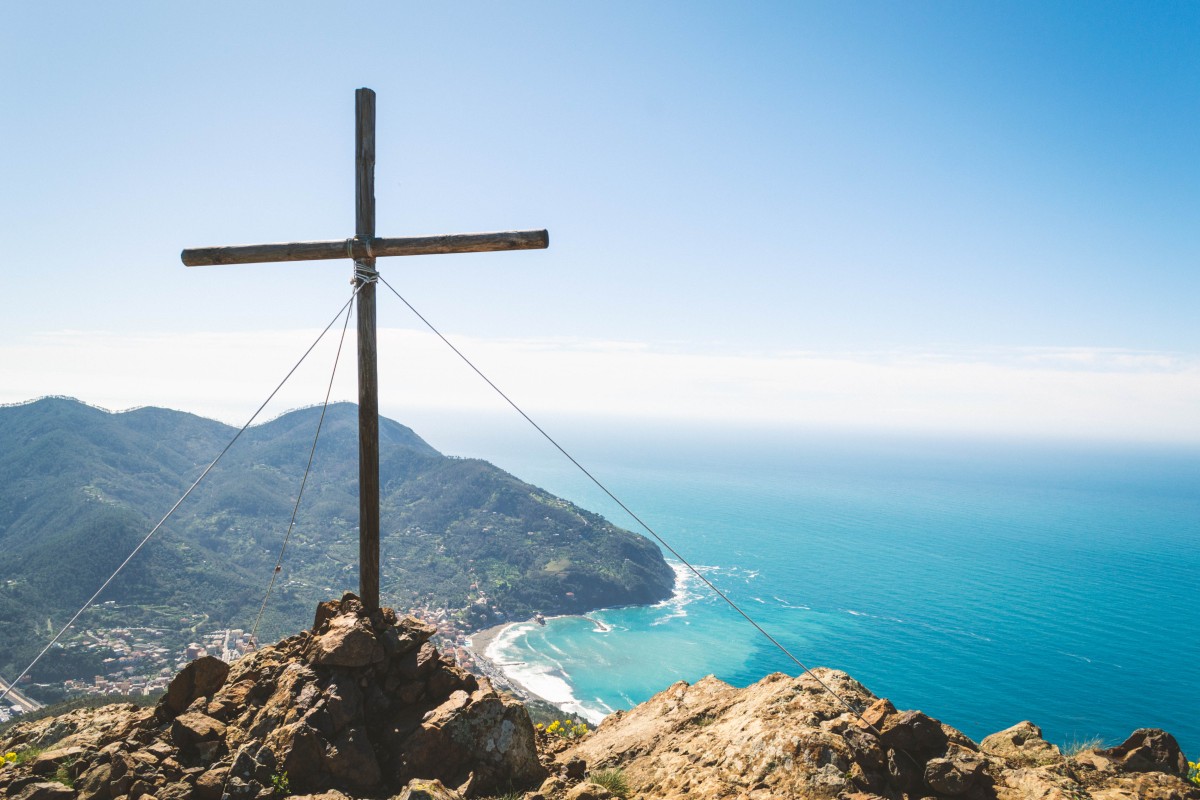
[(545, 681), (688, 588), (510, 654)]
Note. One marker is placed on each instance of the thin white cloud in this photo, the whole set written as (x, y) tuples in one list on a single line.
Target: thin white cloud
[(1059, 392)]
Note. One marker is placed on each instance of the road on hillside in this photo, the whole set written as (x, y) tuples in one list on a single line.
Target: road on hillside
[(15, 698)]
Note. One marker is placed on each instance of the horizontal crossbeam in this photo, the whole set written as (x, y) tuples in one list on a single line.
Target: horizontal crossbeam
[(358, 248)]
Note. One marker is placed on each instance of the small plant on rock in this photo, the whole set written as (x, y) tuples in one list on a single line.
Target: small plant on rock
[(1076, 747), (24, 756), (1194, 771), (565, 729), (613, 780), (279, 784), (63, 773)]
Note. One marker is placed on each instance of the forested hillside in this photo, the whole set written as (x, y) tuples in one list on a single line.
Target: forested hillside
[(80, 486)]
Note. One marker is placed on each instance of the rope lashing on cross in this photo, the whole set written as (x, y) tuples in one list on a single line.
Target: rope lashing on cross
[(363, 272), (303, 481), (87, 604), (778, 645)]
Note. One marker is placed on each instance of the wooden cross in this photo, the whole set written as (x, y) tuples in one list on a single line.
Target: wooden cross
[(363, 249)]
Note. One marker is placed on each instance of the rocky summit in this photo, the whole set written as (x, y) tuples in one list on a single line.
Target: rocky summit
[(362, 703), (363, 706), (787, 737)]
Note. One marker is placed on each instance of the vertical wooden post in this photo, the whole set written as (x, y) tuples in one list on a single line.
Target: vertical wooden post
[(368, 373)]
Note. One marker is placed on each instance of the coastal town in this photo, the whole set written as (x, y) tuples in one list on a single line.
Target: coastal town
[(138, 664)]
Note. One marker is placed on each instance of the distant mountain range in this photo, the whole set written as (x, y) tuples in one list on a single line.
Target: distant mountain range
[(80, 486)]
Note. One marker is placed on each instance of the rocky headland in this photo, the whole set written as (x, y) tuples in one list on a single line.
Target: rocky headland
[(363, 706)]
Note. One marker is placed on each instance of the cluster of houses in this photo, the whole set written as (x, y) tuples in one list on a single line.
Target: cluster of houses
[(140, 666)]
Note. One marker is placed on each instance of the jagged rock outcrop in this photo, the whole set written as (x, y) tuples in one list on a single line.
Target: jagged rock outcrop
[(362, 704), (788, 737)]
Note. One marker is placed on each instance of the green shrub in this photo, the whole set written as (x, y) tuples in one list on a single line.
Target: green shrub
[(613, 780), (280, 785), (1194, 771)]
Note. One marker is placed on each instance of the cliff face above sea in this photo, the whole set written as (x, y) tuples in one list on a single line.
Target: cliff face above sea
[(363, 706)]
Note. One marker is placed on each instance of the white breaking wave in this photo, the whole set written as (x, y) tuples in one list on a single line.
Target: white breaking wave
[(546, 680), (688, 589)]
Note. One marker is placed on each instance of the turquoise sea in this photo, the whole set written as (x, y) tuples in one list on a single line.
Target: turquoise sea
[(984, 582)]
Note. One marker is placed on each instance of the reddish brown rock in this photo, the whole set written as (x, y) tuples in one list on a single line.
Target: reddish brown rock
[(1022, 744), (405, 719), (48, 762), (880, 710), (1149, 750), (190, 729), (788, 737), (328, 710), (201, 678), (913, 732), (955, 774), (588, 791), (427, 790), (45, 790), (347, 641)]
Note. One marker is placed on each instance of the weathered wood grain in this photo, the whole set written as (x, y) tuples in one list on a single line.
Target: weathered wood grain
[(356, 248), (368, 369)]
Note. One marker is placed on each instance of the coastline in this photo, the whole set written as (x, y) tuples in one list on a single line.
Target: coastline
[(549, 686), (479, 643)]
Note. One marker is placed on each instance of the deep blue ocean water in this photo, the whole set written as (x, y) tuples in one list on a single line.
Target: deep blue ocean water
[(984, 582)]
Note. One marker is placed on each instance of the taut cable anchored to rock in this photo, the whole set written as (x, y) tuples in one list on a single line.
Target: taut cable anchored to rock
[(363, 250), (712, 587), (87, 604)]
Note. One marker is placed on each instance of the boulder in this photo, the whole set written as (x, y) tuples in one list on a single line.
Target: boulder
[(1149, 750), (210, 785), (574, 769), (201, 678), (955, 774), (588, 791), (190, 729), (48, 761), (427, 790), (45, 790), (880, 710), (348, 641), (913, 732), (1021, 744)]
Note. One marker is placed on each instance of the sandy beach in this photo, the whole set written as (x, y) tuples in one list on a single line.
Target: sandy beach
[(478, 644)]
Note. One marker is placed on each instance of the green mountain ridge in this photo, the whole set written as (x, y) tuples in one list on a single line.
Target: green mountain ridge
[(81, 486)]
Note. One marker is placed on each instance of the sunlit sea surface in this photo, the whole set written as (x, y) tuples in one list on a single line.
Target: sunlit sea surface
[(982, 582)]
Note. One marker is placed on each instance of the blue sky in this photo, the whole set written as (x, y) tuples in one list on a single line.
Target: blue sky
[(936, 216)]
